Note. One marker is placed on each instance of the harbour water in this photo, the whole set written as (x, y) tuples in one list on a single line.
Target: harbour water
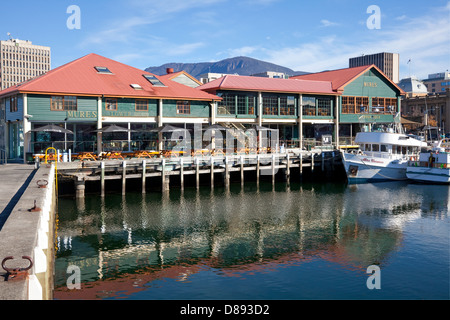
[(288, 241)]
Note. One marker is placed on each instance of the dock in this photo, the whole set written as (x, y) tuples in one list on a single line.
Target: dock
[(165, 172)]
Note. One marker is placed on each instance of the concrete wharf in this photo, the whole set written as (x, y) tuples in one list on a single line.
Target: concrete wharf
[(27, 231)]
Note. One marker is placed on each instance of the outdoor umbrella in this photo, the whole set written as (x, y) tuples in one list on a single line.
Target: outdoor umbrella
[(113, 128), (260, 128), (168, 128), (217, 127), (52, 128)]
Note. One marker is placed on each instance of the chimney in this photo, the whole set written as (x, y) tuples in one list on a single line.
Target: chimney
[(169, 70)]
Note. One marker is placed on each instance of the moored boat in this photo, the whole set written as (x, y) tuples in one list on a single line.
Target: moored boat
[(382, 156), (432, 166)]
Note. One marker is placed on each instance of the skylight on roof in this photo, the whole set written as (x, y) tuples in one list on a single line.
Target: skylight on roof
[(153, 80), (103, 70), (136, 86)]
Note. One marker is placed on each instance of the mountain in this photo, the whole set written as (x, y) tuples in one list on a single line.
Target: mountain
[(243, 66)]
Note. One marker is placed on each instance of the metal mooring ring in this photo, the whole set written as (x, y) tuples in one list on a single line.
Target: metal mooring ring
[(42, 183), (9, 270)]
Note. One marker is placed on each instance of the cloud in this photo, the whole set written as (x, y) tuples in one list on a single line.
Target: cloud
[(143, 13), (424, 39), (327, 23)]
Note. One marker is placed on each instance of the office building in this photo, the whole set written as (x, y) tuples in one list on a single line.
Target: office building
[(389, 63), (438, 82), (20, 60)]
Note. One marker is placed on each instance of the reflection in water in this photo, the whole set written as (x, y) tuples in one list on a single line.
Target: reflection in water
[(126, 245)]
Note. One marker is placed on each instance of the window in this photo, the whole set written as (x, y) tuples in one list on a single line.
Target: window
[(183, 107), (13, 104), (63, 103), (110, 104), (104, 70), (355, 104), (270, 105), (227, 105), (287, 106), (384, 105), (309, 106), (241, 105), (141, 105), (153, 80), (362, 104), (324, 106)]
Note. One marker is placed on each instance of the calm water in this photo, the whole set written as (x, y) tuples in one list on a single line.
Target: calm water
[(299, 242)]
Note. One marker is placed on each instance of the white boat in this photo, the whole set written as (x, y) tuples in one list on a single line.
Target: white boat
[(382, 156), (432, 166)]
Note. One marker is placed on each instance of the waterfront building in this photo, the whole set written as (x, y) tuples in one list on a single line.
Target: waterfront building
[(387, 62), (366, 96), (299, 109), (90, 93), (21, 60)]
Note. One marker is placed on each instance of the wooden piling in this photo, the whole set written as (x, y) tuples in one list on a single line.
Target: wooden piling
[(227, 173), (242, 170), (144, 166), (197, 173), (182, 173), (258, 163), (124, 177), (288, 167), (102, 179), (212, 172)]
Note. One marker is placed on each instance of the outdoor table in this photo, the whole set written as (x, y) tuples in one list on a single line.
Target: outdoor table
[(200, 152), (170, 153), (145, 153), (114, 155), (86, 156)]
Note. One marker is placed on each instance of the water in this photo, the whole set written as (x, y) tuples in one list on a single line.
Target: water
[(308, 241)]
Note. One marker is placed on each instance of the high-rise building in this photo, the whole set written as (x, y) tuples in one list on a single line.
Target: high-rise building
[(389, 63), (20, 60)]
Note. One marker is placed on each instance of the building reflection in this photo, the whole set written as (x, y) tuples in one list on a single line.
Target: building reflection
[(140, 238)]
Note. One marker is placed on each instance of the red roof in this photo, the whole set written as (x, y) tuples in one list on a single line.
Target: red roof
[(248, 83), (341, 77), (80, 77)]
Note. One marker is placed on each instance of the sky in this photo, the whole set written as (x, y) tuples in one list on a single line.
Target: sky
[(309, 36)]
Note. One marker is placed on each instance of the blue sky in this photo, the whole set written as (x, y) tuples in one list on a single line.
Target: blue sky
[(302, 35)]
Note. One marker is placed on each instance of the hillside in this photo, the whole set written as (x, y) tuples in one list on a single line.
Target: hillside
[(244, 66)]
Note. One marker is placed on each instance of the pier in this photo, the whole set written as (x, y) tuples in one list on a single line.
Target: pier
[(199, 170)]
